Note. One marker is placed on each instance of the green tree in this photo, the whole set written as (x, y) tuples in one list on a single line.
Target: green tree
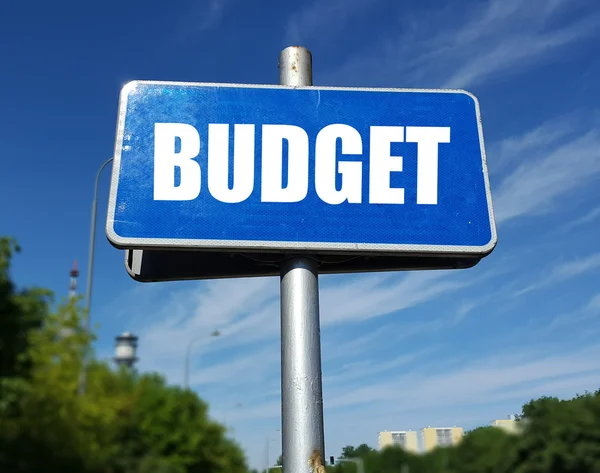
[(20, 311), (437, 460), (125, 423), (560, 436), (484, 450), (393, 459), (172, 423), (352, 452)]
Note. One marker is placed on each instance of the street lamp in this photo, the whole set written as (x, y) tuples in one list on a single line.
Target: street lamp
[(237, 405), (186, 374), (125, 349), (88, 291), (269, 439)]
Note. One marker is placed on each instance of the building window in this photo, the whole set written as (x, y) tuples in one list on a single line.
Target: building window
[(444, 437), (399, 439)]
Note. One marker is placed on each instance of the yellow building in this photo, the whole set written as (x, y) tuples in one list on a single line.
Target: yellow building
[(432, 437), (407, 439), (508, 424)]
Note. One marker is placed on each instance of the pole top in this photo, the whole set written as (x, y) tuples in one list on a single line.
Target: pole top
[(295, 67)]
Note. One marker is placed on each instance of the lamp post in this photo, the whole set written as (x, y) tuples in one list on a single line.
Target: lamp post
[(88, 290), (125, 350), (186, 374), (269, 439), (237, 405)]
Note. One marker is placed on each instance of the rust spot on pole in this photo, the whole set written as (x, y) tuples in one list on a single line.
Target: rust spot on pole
[(316, 462)]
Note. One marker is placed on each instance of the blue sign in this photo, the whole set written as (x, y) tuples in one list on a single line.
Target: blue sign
[(273, 168)]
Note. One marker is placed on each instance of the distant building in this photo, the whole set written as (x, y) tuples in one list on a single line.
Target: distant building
[(432, 437), (407, 439), (509, 424)]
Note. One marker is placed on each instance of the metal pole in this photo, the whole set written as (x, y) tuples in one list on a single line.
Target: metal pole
[(90, 268), (301, 382)]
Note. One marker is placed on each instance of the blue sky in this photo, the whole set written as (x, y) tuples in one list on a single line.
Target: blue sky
[(400, 351)]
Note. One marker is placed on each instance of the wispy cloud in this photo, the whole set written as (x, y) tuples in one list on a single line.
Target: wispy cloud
[(247, 312), (360, 370), (593, 304), (516, 149), (547, 174), (494, 378), (508, 54), (472, 303), (590, 309), (564, 271), (483, 381), (589, 217), (205, 15), (256, 365), (378, 295), (429, 51), (323, 19)]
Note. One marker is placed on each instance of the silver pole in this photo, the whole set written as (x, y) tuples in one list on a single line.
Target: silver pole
[(301, 382), (90, 268)]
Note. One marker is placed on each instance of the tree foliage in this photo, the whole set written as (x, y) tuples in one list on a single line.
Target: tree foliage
[(20, 311), (136, 423), (124, 423), (555, 436), (361, 451)]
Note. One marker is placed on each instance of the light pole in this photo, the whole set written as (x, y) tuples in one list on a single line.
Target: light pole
[(186, 375), (88, 290), (267, 449), (237, 405), (125, 349)]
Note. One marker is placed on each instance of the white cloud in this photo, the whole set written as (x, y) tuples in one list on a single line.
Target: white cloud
[(495, 378), (322, 19), (564, 271), (542, 177), (205, 15), (334, 349), (594, 304), (378, 295), (256, 366), (360, 369), (247, 311), (520, 375), (516, 149), (427, 50), (508, 54), (470, 304), (417, 392), (589, 310), (589, 217)]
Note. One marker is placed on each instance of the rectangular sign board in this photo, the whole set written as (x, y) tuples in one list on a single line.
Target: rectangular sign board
[(318, 170)]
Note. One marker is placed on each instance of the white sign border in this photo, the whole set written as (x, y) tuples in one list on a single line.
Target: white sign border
[(281, 246)]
